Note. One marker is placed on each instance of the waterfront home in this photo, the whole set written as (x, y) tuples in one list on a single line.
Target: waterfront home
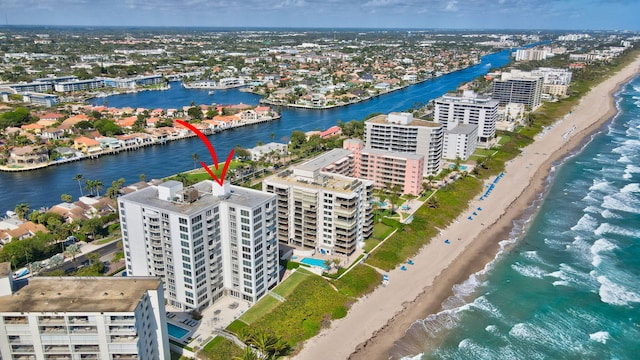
[(158, 135), (28, 155), (332, 131), (65, 152), (248, 116), (24, 230), (87, 145), (69, 211), (268, 150), (227, 121), (109, 142), (263, 111), (214, 125)]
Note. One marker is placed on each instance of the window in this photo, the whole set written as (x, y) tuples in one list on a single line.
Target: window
[(183, 221)]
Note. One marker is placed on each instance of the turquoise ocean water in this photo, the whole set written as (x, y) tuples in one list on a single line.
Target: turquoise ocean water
[(567, 283)]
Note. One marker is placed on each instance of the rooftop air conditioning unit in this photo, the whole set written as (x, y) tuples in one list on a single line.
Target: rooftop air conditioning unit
[(189, 195)]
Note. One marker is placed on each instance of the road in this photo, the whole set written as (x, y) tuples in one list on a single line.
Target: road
[(106, 253)]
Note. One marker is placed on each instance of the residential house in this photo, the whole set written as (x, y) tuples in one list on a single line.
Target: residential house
[(87, 145), (28, 155)]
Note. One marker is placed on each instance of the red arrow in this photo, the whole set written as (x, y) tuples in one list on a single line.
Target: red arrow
[(212, 151)]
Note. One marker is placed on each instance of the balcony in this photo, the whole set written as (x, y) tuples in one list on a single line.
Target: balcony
[(123, 339), (22, 348), (83, 330), (50, 320)]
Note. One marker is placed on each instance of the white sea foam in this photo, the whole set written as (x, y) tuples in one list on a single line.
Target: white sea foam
[(623, 202), (492, 329), (468, 346), (606, 228), (529, 270), (630, 170), (600, 185), (600, 246), (600, 336), (631, 188), (616, 294), (485, 305), (592, 209), (586, 223), (522, 331), (608, 214), (569, 276), (624, 159)]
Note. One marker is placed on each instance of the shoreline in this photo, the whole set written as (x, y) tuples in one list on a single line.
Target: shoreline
[(376, 322)]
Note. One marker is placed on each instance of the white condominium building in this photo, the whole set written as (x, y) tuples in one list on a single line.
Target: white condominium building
[(401, 132), (460, 142), (468, 108), (204, 241), (518, 87), (319, 210), (85, 318)]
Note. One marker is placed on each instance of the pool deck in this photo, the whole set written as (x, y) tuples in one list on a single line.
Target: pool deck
[(216, 317)]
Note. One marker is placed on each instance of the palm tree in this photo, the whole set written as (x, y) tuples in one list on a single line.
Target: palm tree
[(98, 185), (66, 198), (77, 178), (89, 185), (21, 210), (195, 159), (143, 177), (249, 354)]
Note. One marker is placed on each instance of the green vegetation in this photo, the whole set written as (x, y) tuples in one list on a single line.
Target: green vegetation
[(362, 279), (287, 287), (264, 306), (405, 243)]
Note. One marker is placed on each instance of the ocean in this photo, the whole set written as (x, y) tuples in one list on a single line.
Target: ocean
[(566, 284)]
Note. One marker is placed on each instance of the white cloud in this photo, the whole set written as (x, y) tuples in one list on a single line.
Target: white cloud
[(452, 6)]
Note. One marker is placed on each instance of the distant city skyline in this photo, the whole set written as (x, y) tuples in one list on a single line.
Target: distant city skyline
[(416, 14)]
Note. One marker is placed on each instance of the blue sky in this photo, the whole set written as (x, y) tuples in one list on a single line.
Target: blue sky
[(451, 14)]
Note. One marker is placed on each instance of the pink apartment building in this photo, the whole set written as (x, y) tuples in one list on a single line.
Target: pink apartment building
[(385, 167)]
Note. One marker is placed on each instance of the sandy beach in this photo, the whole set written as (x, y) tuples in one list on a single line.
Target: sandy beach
[(376, 321)]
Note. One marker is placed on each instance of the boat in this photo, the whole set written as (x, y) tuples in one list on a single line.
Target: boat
[(210, 92)]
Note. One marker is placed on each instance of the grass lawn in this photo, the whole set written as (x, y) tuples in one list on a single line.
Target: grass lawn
[(381, 231), (221, 349), (362, 279), (370, 243), (287, 287), (264, 306)]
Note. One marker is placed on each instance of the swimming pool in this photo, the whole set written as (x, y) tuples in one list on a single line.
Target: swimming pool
[(314, 262), (176, 332)]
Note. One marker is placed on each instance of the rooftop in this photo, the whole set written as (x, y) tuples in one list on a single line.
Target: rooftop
[(382, 120), (466, 129), (79, 294), (324, 160), (237, 195)]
